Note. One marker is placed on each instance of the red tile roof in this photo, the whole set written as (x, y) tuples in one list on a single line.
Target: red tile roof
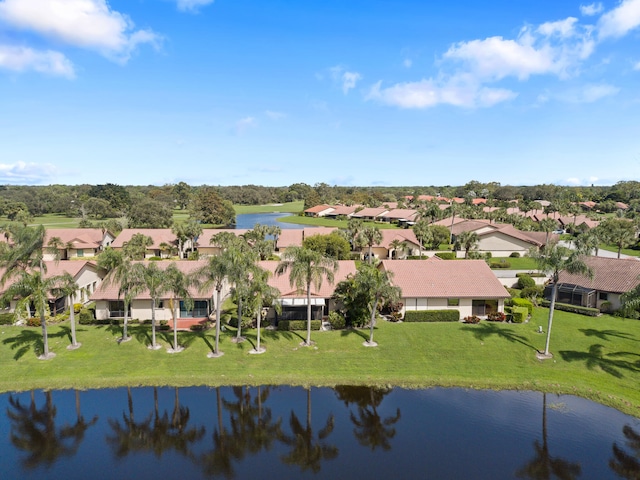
[(282, 283), (610, 274), (158, 235), (445, 279), (76, 237)]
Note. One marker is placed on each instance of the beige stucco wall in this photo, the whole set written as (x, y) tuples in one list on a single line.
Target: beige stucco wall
[(465, 306)]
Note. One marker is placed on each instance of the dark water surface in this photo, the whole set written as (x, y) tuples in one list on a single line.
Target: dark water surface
[(286, 432)]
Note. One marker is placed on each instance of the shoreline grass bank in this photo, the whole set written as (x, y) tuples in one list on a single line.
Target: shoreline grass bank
[(595, 358)]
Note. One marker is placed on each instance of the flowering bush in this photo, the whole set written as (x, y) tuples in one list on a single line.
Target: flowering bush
[(496, 317), (472, 319)]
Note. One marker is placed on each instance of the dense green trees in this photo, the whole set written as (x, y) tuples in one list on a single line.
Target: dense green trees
[(333, 245), (209, 207)]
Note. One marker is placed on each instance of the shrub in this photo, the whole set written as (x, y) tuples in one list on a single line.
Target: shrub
[(417, 257), (193, 256), (86, 316), (515, 255), (502, 263), (488, 255), (77, 307), (337, 321), (199, 327), (519, 314), (523, 302), (605, 307), (472, 319), (514, 292), (288, 325), (246, 322), (7, 318), (154, 259), (496, 317), (432, 316), (33, 322), (446, 255), (565, 307), (525, 281), (531, 274)]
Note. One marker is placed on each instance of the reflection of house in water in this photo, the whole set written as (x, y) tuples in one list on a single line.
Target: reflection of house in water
[(611, 278)]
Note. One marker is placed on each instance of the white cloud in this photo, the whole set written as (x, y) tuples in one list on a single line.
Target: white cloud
[(275, 115), (89, 24), (245, 124), (573, 181), (589, 93), (21, 59), (26, 173), (407, 62), (347, 80), (192, 5), (636, 66), (619, 21), (430, 93), (591, 9), (561, 28)]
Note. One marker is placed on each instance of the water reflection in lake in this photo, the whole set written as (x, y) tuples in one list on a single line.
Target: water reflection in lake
[(249, 220), (346, 432)]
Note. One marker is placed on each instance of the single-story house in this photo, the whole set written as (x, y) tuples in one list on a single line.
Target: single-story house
[(162, 239), (318, 210), (85, 273), (77, 242), (611, 278), (403, 216), (468, 286), (294, 301), (204, 245), (384, 249), (370, 213), (343, 211), (110, 305)]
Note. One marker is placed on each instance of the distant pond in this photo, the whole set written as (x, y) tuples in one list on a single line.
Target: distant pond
[(248, 220), (285, 432)]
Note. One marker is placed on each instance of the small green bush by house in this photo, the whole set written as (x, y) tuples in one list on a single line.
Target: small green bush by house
[(515, 255), (7, 318), (565, 307), (522, 302), (500, 264), (77, 307), (532, 293), (519, 314), (86, 316), (471, 319), (446, 255), (606, 307), (525, 281), (337, 321), (496, 317), (432, 316), (288, 325)]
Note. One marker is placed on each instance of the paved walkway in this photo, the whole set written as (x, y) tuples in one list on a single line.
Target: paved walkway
[(601, 252)]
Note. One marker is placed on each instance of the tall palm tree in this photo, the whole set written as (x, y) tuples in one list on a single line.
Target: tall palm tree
[(128, 276), (371, 236), (553, 259), (154, 281), (547, 225), (396, 244), (377, 287), (213, 275), (68, 287), (423, 233), (177, 284), (242, 265), (26, 251), (307, 267), (262, 293), (467, 240), (619, 232), (33, 288), (354, 227)]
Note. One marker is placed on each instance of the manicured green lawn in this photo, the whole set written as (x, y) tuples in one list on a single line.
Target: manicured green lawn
[(54, 220), (290, 207), (596, 358), (624, 251), (522, 263), (328, 222)]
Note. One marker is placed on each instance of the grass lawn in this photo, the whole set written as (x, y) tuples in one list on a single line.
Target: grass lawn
[(594, 357), (624, 251), (290, 207), (54, 220), (328, 222), (522, 263)]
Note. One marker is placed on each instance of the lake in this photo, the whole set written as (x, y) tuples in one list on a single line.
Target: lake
[(248, 220), (288, 432)]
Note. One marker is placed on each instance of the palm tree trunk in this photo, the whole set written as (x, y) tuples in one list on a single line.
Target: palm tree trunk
[(217, 320), (369, 253), (174, 311), (153, 323), (45, 339), (238, 332), (373, 319), (258, 319), (554, 293), (72, 318), (124, 327), (308, 342)]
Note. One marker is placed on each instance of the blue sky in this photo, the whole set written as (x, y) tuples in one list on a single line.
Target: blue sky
[(347, 92)]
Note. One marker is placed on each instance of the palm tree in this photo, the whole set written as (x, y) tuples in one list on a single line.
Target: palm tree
[(588, 241), (468, 241), (376, 285), (371, 236), (242, 264), (306, 267), (68, 287), (552, 259), (128, 276), (262, 293), (547, 225), (396, 244), (154, 280), (423, 233), (214, 274), (619, 232), (25, 252), (177, 284), (33, 288), (179, 229), (354, 227), (627, 465)]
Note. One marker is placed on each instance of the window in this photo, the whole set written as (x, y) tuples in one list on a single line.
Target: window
[(116, 309), (453, 302), (603, 296), (80, 252), (159, 304), (200, 309)]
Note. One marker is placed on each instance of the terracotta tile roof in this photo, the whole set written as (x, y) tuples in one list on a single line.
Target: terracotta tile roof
[(370, 212), (479, 201), (311, 231), (610, 274), (401, 214), (404, 235), (78, 237), (445, 279), (345, 267), (110, 291), (289, 238), (73, 267), (568, 220), (344, 209), (318, 208)]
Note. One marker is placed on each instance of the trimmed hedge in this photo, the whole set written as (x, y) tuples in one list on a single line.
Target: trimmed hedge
[(531, 274), (519, 314), (86, 316), (432, 316), (7, 318), (499, 264), (288, 325), (446, 255), (565, 307), (337, 321), (525, 281), (523, 302)]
